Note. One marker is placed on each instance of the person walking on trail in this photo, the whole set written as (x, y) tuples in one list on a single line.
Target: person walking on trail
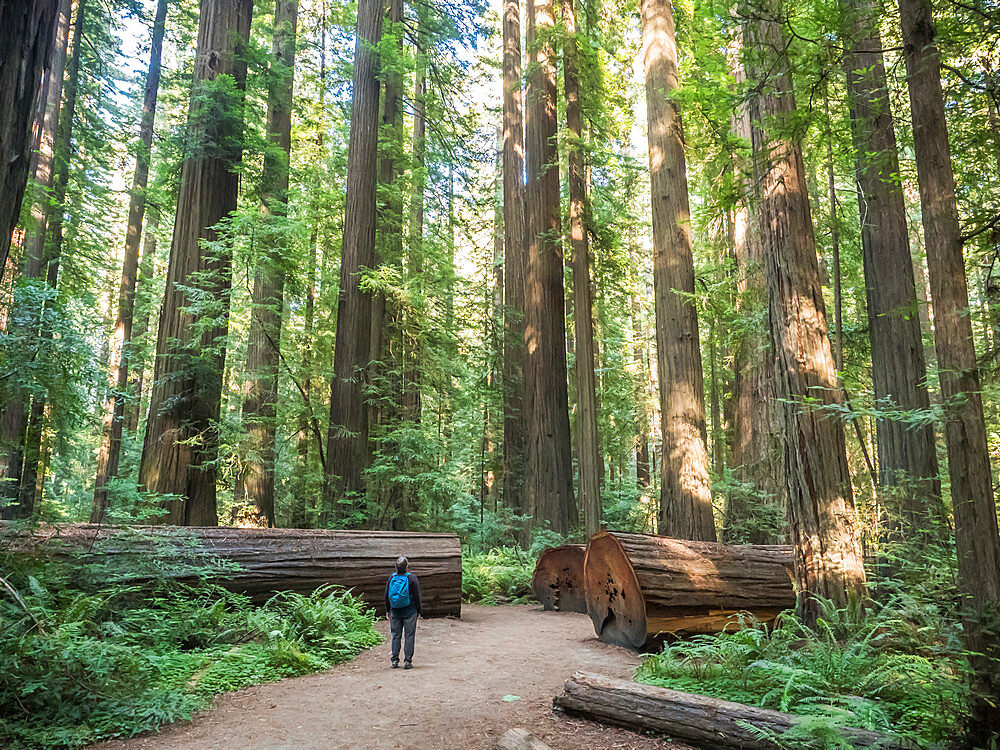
[(402, 607)]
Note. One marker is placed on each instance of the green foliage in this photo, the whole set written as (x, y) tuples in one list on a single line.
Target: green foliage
[(859, 668), (502, 575), (79, 666)]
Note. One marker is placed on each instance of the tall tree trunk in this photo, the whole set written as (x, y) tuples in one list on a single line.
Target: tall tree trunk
[(347, 440), (33, 51), (685, 493), (590, 462), (907, 457), (640, 359), (181, 444), (28, 32), (515, 259), (255, 482), (838, 297), (109, 452), (137, 365), (828, 561), (415, 257), (548, 457), (757, 447), (976, 534), (52, 239)]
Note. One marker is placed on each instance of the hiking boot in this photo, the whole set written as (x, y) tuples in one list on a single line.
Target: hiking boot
[(408, 665), (394, 664)]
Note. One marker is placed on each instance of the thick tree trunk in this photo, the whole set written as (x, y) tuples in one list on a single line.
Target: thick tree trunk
[(347, 440), (52, 239), (828, 561), (558, 579), (515, 259), (255, 482), (34, 50), (976, 537), (548, 460), (109, 452), (757, 445), (262, 562), (639, 586), (590, 462), (907, 457), (685, 492), (28, 32), (704, 722), (181, 443)]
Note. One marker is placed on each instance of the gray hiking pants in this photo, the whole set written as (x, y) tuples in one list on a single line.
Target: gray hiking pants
[(399, 621)]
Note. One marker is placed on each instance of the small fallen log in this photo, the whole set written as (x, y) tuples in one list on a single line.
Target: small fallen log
[(640, 586), (704, 722), (259, 562), (558, 579), (520, 739)]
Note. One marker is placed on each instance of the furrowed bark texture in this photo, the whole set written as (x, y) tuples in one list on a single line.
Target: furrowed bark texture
[(558, 579), (549, 460), (705, 722), (590, 462), (347, 440), (263, 562), (976, 537), (515, 238), (685, 494), (907, 457), (28, 30), (109, 452), (255, 483), (181, 442), (639, 585), (824, 529)]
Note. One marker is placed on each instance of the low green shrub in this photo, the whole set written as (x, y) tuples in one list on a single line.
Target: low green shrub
[(500, 575), (77, 667), (856, 668)]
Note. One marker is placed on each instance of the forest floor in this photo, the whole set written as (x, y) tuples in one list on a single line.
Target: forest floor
[(451, 699)]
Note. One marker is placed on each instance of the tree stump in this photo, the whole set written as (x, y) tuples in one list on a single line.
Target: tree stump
[(558, 579)]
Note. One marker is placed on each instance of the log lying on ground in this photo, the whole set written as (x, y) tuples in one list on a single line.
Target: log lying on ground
[(704, 722), (639, 586), (558, 579), (520, 739), (261, 562)]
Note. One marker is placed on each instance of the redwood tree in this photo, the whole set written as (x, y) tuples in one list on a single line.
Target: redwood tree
[(109, 453), (347, 439), (976, 537), (685, 493), (181, 444), (515, 237), (255, 482), (548, 460), (824, 529)]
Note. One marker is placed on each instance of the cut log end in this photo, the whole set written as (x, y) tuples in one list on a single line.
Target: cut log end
[(614, 598), (558, 579)]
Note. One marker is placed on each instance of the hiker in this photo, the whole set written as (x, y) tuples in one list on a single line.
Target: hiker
[(402, 607)]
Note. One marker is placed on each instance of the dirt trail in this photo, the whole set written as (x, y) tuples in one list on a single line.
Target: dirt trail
[(452, 698)]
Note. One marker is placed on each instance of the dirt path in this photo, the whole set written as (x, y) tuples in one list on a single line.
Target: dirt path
[(452, 698)]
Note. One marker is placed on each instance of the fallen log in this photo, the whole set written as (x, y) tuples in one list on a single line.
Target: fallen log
[(558, 579), (702, 721), (640, 586), (259, 562), (520, 739)]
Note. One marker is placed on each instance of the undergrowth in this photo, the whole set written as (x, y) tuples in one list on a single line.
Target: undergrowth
[(77, 666), (871, 669), (502, 575)]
